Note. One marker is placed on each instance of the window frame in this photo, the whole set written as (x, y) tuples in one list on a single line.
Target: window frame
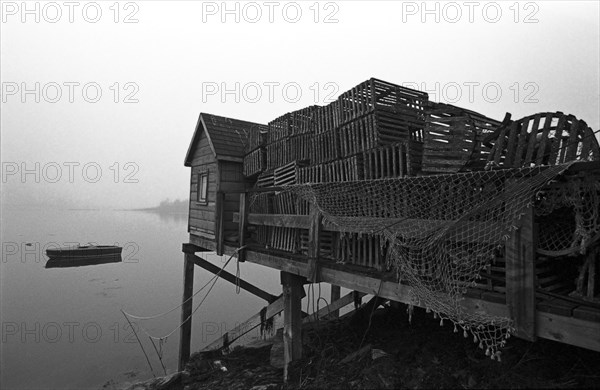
[(202, 196)]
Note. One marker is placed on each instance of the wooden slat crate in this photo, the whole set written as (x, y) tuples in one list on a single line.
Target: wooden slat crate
[(303, 121), (377, 94), (347, 169), (397, 160), (279, 128), (285, 239), (287, 174), (454, 139), (292, 204), (393, 127), (325, 147), (256, 137), (484, 126), (261, 203), (285, 203), (300, 147), (379, 128), (261, 235), (327, 118), (311, 174), (328, 244), (449, 140), (364, 250), (278, 153), (357, 136), (266, 179), (255, 162)]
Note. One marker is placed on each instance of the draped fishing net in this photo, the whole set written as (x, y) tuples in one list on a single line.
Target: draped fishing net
[(569, 217), (439, 232)]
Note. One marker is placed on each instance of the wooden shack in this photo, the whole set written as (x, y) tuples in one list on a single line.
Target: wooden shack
[(216, 156), (414, 171)]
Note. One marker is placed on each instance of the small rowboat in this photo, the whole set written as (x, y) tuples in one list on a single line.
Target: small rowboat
[(85, 252)]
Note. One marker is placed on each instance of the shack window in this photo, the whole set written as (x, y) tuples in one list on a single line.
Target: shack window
[(203, 187)]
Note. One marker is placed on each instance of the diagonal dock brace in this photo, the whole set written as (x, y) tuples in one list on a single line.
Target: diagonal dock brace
[(233, 279)]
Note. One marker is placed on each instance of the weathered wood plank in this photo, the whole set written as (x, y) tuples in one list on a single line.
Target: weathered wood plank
[(332, 310), (271, 310), (292, 318), (335, 295), (569, 330), (185, 332), (314, 243), (233, 279), (520, 277), (219, 222), (207, 242), (488, 229), (202, 224)]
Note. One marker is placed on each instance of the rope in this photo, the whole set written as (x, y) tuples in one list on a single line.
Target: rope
[(193, 295), (237, 277), (213, 280)]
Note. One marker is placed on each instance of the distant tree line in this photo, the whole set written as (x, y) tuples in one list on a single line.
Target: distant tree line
[(176, 205)]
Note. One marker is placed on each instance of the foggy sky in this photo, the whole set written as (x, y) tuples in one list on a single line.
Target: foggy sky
[(178, 52)]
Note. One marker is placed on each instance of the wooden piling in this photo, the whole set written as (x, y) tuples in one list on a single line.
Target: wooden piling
[(335, 295), (185, 332), (292, 318)]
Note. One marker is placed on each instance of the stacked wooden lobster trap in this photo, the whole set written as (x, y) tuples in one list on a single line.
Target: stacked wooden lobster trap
[(381, 130), (374, 130)]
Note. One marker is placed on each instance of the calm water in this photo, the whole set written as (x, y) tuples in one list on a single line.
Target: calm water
[(62, 327)]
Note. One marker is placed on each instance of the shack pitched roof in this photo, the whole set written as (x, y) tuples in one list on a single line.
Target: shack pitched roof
[(226, 136)]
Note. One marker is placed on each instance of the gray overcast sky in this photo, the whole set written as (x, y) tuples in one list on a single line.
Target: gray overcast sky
[(179, 57)]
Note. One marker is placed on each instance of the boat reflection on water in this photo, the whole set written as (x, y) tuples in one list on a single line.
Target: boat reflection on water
[(82, 261), (82, 256)]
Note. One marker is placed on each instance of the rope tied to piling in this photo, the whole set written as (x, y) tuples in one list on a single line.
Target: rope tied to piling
[(163, 339)]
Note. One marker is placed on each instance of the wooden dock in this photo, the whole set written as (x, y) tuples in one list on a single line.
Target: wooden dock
[(541, 279)]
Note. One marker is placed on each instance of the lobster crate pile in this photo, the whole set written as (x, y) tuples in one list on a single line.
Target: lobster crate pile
[(374, 118), (374, 130), (453, 139), (255, 153)]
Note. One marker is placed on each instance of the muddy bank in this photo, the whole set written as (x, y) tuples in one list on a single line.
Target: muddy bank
[(385, 351)]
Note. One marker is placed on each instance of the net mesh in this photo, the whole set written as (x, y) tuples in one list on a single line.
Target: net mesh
[(569, 217), (439, 232)]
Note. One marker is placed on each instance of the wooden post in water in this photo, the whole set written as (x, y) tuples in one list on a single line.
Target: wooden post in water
[(185, 333), (292, 318)]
